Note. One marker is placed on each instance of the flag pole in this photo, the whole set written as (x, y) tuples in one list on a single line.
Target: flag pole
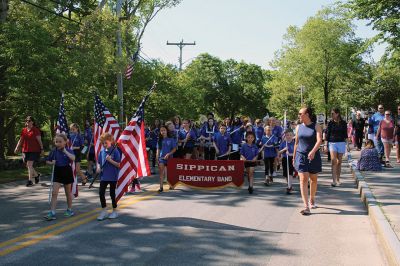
[(287, 151)]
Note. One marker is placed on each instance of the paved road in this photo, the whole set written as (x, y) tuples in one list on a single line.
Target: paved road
[(192, 227)]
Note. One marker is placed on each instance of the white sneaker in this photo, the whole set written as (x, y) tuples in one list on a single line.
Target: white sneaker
[(312, 206), (102, 216), (113, 215), (274, 174)]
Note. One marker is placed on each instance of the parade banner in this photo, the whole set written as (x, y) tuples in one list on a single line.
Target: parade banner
[(205, 174)]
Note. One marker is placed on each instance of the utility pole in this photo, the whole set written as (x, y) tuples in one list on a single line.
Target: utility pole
[(180, 45), (120, 88)]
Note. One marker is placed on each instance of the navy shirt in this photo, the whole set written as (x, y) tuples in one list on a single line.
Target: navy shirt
[(259, 133), (277, 131), (191, 141), (290, 146), (336, 132), (249, 151), (110, 172), (168, 144), (222, 142), (88, 137), (76, 139), (270, 143), (60, 157), (236, 134), (307, 137)]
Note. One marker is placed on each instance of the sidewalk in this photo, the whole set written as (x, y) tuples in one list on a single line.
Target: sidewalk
[(385, 186)]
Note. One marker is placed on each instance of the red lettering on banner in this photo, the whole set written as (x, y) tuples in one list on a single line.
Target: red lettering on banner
[(205, 174)]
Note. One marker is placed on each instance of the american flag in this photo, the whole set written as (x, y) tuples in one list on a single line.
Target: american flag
[(62, 128), (132, 143), (129, 68), (104, 121)]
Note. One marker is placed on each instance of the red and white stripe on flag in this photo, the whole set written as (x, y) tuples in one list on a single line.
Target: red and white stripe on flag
[(134, 162), (129, 71), (110, 125)]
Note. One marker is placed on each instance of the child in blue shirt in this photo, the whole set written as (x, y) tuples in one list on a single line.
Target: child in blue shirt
[(187, 138), (77, 143), (286, 149), (108, 163), (222, 143), (166, 147), (270, 144), (61, 157), (249, 154)]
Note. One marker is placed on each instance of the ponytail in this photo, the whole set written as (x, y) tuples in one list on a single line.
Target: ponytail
[(311, 114)]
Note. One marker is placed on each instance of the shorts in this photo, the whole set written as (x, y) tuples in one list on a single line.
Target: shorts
[(163, 161), (63, 175), (91, 157), (250, 164), (389, 141), (339, 147), (30, 156), (78, 156), (303, 165)]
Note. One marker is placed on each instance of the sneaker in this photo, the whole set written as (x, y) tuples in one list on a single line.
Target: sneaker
[(289, 190), (274, 174), (266, 182), (29, 183), (69, 213), (132, 190), (160, 190), (102, 216), (37, 179), (138, 189), (50, 216), (113, 215)]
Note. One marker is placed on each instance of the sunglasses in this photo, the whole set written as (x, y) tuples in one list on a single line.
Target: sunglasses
[(28, 120), (387, 114), (380, 108)]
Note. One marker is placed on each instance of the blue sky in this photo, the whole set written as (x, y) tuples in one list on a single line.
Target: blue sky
[(249, 30)]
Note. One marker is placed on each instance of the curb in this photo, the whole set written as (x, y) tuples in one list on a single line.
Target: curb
[(386, 235)]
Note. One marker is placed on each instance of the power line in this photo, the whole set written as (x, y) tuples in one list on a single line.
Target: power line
[(50, 11), (180, 45)]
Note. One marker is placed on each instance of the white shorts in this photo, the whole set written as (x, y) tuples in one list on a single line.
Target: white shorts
[(387, 141)]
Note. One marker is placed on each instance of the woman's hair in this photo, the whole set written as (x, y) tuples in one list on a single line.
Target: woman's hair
[(337, 111), (75, 125), (60, 135), (160, 137), (250, 133), (179, 119), (32, 119), (311, 114), (107, 136), (369, 144)]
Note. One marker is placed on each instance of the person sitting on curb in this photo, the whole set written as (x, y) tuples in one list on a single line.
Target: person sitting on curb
[(369, 159)]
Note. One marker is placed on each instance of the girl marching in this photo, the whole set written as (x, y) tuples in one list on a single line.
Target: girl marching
[(187, 137), (249, 154), (166, 147), (108, 167), (61, 158), (76, 145), (286, 149), (207, 137), (222, 143), (269, 142)]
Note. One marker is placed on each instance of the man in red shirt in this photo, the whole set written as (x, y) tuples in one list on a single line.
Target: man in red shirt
[(32, 147)]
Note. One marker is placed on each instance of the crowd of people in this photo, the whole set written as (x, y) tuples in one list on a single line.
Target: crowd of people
[(294, 147)]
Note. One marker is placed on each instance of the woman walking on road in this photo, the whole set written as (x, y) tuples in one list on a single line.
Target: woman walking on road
[(336, 135), (307, 160), (32, 147)]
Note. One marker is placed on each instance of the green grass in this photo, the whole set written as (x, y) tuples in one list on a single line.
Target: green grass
[(22, 173)]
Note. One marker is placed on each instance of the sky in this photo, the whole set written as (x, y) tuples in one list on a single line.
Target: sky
[(249, 30)]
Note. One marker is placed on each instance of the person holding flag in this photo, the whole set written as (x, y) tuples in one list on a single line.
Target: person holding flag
[(108, 165), (166, 147), (61, 158)]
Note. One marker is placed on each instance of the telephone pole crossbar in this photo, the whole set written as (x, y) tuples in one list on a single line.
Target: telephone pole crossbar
[(181, 44)]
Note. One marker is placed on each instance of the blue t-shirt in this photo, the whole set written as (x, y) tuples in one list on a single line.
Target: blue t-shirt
[(277, 131), (259, 133), (290, 147), (60, 157), (88, 139), (271, 143), (110, 172), (76, 140), (191, 141), (222, 142), (249, 151), (236, 134), (152, 143), (376, 120), (370, 126), (168, 144)]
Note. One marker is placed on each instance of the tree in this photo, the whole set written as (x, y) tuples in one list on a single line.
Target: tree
[(322, 55), (384, 16)]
